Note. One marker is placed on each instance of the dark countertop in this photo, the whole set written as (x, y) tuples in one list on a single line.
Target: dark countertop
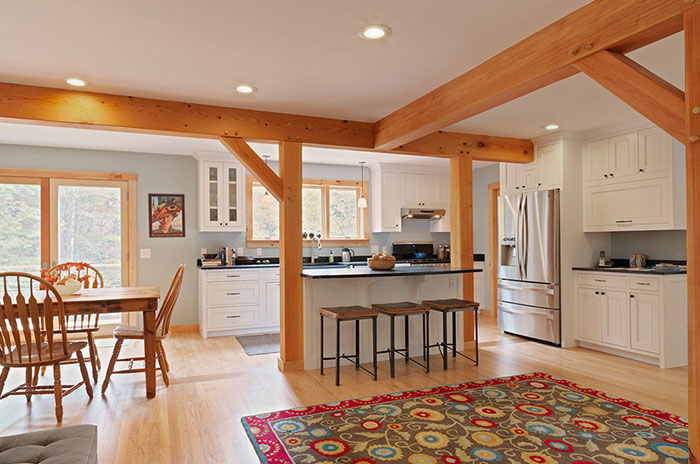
[(626, 270), (401, 271)]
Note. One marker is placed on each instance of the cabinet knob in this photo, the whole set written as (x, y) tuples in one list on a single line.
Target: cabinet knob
[(605, 175), (631, 296), (523, 186), (597, 293), (612, 175), (517, 188), (539, 184), (221, 223), (641, 170), (602, 293)]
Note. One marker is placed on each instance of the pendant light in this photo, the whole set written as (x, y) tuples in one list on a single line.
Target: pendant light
[(362, 201), (266, 198)]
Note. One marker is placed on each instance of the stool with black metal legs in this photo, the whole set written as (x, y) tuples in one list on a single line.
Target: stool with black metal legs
[(454, 305), (350, 313), (405, 309)]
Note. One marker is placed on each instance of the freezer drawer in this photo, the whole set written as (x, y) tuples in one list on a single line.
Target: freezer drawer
[(528, 293), (541, 324)]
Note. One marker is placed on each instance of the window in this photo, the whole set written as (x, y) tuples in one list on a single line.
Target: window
[(329, 208)]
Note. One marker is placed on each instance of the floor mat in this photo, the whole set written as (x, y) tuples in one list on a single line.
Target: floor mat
[(260, 344)]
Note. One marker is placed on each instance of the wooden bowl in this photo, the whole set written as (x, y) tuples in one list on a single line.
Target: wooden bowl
[(381, 264)]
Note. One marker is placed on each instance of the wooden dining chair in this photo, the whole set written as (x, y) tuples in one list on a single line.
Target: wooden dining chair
[(24, 345), (124, 332), (86, 324)]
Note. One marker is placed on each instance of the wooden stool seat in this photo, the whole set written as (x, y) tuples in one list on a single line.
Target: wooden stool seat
[(400, 309), (451, 304), (349, 312)]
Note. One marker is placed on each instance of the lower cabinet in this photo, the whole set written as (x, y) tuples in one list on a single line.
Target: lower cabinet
[(614, 315), (238, 301)]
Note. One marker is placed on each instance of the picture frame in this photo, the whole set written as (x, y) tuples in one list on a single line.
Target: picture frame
[(166, 215)]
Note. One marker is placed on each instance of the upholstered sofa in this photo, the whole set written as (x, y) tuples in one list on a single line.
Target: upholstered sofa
[(65, 445)]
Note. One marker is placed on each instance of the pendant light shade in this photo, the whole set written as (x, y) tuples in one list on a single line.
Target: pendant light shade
[(266, 198), (362, 201)]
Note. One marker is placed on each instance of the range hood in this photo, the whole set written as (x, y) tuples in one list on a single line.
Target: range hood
[(422, 213)]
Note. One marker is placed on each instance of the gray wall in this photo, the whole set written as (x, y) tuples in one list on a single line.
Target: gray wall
[(481, 179), (178, 174), (662, 244)]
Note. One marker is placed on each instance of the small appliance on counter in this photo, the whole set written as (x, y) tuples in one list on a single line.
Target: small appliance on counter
[(348, 253)]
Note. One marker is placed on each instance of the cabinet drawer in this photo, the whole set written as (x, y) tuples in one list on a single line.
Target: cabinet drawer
[(232, 275), (226, 294), (644, 283), (272, 275), (230, 318), (602, 280)]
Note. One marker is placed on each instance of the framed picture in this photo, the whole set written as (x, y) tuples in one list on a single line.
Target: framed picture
[(166, 215)]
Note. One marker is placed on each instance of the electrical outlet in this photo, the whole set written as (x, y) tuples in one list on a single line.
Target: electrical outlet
[(375, 249), (258, 251), (145, 253), (240, 251), (203, 251)]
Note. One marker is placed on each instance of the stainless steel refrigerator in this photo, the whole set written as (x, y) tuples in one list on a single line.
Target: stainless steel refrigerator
[(528, 265)]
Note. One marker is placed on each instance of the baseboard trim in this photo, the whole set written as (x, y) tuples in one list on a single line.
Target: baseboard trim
[(290, 366), (184, 328)]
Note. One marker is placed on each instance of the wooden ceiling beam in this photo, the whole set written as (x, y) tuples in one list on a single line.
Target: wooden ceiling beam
[(657, 100), (64, 107), (537, 61), (255, 165)]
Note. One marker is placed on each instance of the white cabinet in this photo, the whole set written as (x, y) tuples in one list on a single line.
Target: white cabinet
[(238, 300), (634, 181), (638, 316), (443, 224), (544, 173), (221, 195), (645, 309), (397, 186)]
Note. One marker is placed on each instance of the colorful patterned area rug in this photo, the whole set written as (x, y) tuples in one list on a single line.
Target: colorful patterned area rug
[(526, 419)]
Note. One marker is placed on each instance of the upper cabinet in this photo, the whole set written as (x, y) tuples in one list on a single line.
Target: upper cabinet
[(221, 194), (397, 186), (544, 173), (634, 181)]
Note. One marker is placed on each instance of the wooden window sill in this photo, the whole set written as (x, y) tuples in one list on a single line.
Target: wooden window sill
[(307, 243)]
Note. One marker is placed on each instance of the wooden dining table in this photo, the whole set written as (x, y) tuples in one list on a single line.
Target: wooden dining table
[(120, 300)]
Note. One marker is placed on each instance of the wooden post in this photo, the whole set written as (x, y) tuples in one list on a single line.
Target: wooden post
[(692, 156), (494, 191), (291, 260), (462, 228)]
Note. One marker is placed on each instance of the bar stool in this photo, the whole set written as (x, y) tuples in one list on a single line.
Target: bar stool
[(405, 309), (454, 305), (350, 313)]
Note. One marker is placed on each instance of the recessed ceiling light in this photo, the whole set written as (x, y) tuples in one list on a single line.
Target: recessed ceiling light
[(244, 88), (374, 32), (76, 82), (552, 126)]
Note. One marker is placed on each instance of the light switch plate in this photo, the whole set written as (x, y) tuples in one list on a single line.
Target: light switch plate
[(203, 251), (239, 251), (258, 251), (375, 249), (145, 253)]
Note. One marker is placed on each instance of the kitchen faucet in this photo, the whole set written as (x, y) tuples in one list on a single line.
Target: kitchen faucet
[(320, 247)]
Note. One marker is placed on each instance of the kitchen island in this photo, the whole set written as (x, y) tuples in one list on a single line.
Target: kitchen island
[(363, 286)]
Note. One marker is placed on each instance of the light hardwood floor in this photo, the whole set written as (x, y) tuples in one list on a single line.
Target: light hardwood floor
[(214, 384)]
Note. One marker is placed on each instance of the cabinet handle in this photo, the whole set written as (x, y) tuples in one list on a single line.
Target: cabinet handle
[(626, 221), (233, 294), (233, 275), (643, 283), (600, 280), (233, 317)]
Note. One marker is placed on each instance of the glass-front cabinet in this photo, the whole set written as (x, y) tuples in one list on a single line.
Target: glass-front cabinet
[(222, 195)]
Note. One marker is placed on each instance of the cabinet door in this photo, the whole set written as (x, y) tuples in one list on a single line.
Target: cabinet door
[(654, 151), (527, 177), (596, 161), (430, 191), (443, 225), (231, 195), (391, 202), (615, 312), (508, 178), (411, 190), (588, 307), (623, 156), (211, 192), (548, 161), (645, 320), (272, 303)]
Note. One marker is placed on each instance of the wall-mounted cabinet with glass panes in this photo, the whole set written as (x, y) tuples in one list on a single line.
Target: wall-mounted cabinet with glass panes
[(221, 194)]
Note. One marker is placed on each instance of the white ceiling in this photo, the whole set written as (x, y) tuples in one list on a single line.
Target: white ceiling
[(304, 57)]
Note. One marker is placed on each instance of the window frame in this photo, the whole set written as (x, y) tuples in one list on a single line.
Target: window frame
[(325, 185)]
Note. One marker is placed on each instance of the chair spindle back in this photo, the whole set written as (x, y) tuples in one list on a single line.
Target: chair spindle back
[(22, 319), (166, 309)]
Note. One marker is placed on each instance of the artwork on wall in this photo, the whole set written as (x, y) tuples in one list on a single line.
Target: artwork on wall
[(166, 214)]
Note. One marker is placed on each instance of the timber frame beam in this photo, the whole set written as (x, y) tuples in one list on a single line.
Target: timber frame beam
[(64, 107), (535, 62), (657, 100), (255, 165)]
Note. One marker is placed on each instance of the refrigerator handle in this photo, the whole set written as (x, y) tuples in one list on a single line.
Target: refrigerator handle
[(526, 237), (518, 237)]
